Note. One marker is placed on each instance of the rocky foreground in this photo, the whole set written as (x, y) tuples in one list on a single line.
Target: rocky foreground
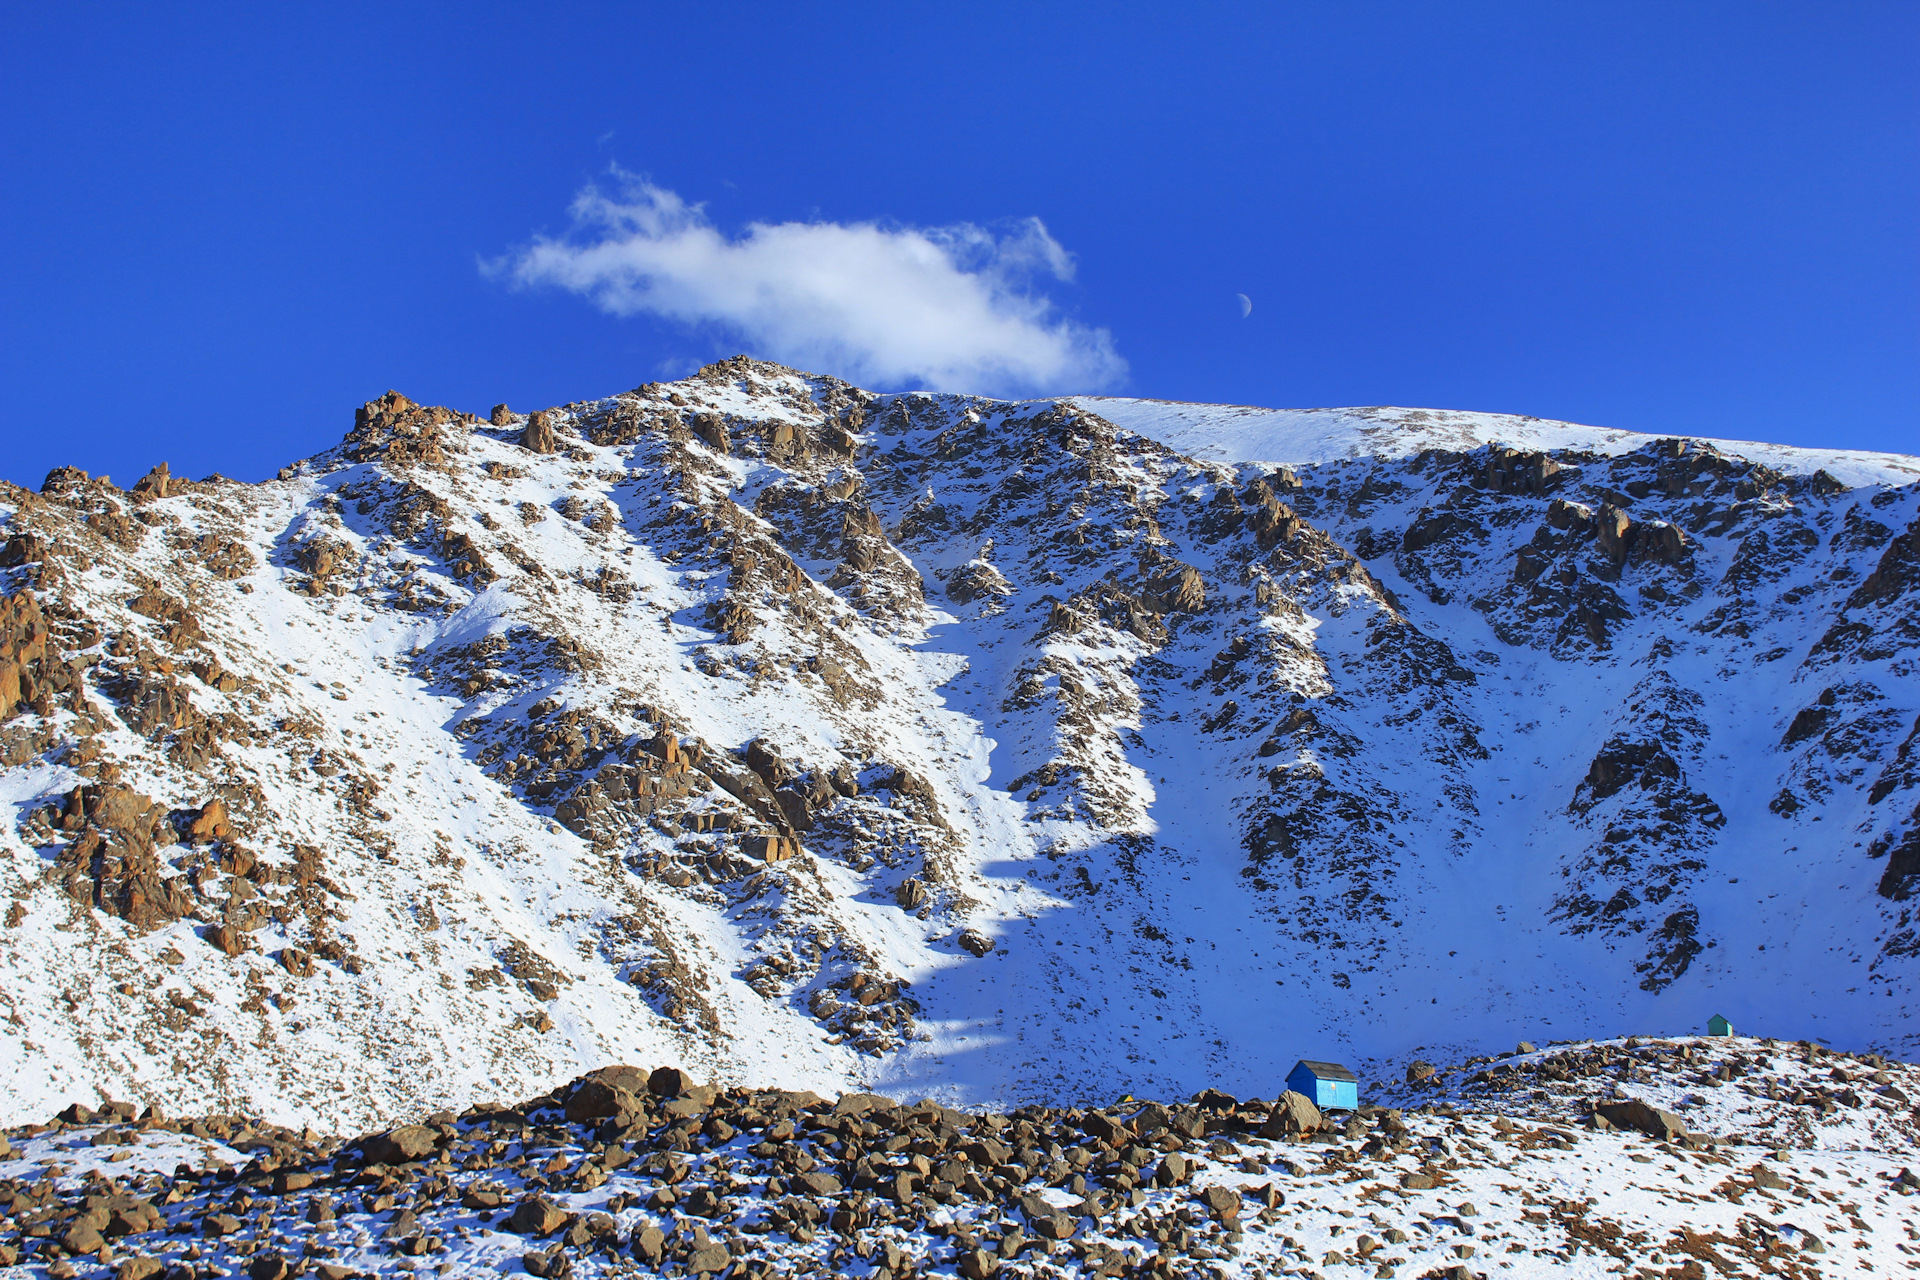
[(1649, 1158)]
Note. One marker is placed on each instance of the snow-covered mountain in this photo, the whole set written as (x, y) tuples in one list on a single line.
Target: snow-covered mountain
[(992, 751)]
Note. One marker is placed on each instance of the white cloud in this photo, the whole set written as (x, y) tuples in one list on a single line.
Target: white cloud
[(948, 308)]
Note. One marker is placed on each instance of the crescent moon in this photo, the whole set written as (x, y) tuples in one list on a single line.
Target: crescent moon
[(1246, 305)]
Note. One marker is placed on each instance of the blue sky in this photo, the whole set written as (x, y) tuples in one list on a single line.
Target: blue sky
[(223, 227)]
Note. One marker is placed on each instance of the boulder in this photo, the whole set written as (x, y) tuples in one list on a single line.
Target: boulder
[(1174, 1169), (711, 429), (1053, 1226), (402, 1145), (502, 416), (649, 1244), (978, 1264), (599, 1099), (227, 939), (129, 1215), (1222, 1202), (548, 1264), (1292, 1113), (536, 1216), (672, 1082), (209, 823), (816, 1183), (1650, 1120), (83, 1237), (708, 1259)]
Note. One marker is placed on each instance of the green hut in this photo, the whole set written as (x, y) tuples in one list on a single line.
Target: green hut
[(1719, 1026)]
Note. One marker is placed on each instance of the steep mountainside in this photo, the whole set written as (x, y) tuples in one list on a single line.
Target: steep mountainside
[(995, 751)]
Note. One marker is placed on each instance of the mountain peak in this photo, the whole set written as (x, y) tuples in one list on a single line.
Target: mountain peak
[(995, 751)]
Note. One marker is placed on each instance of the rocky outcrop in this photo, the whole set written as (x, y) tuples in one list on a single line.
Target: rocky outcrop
[(537, 436)]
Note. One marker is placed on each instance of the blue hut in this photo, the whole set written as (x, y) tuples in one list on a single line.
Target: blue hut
[(1329, 1085)]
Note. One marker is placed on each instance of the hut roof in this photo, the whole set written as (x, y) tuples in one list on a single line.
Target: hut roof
[(1327, 1070)]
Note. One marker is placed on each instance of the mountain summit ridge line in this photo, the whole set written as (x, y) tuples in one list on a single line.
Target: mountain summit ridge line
[(993, 751)]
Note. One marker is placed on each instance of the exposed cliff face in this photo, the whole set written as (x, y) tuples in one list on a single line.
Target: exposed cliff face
[(1011, 750)]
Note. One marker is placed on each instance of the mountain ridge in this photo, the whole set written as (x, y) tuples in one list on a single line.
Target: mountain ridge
[(1104, 762)]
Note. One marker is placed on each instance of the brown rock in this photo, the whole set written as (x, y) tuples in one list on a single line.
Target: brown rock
[(152, 485), (83, 1237), (1613, 525), (402, 1145), (502, 416), (1562, 514), (130, 1216), (139, 1268), (538, 435), (227, 939), (209, 823), (1292, 1113), (768, 847), (1650, 1120), (672, 1082), (1222, 1202), (713, 431), (536, 1216), (1663, 542), (978, 1264), (816, 1184), (1173, 1170), (708, 1259), (597, 1099), (649, 1244), (1053, 1226), (267, 1266)]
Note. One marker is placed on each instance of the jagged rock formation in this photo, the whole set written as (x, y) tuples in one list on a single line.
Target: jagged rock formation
[(997, 751)]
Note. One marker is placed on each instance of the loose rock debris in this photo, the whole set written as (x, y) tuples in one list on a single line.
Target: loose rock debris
[(627, 1171)]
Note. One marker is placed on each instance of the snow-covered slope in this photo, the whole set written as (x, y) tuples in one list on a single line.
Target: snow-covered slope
[(1234, 433), (1123, 746)]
